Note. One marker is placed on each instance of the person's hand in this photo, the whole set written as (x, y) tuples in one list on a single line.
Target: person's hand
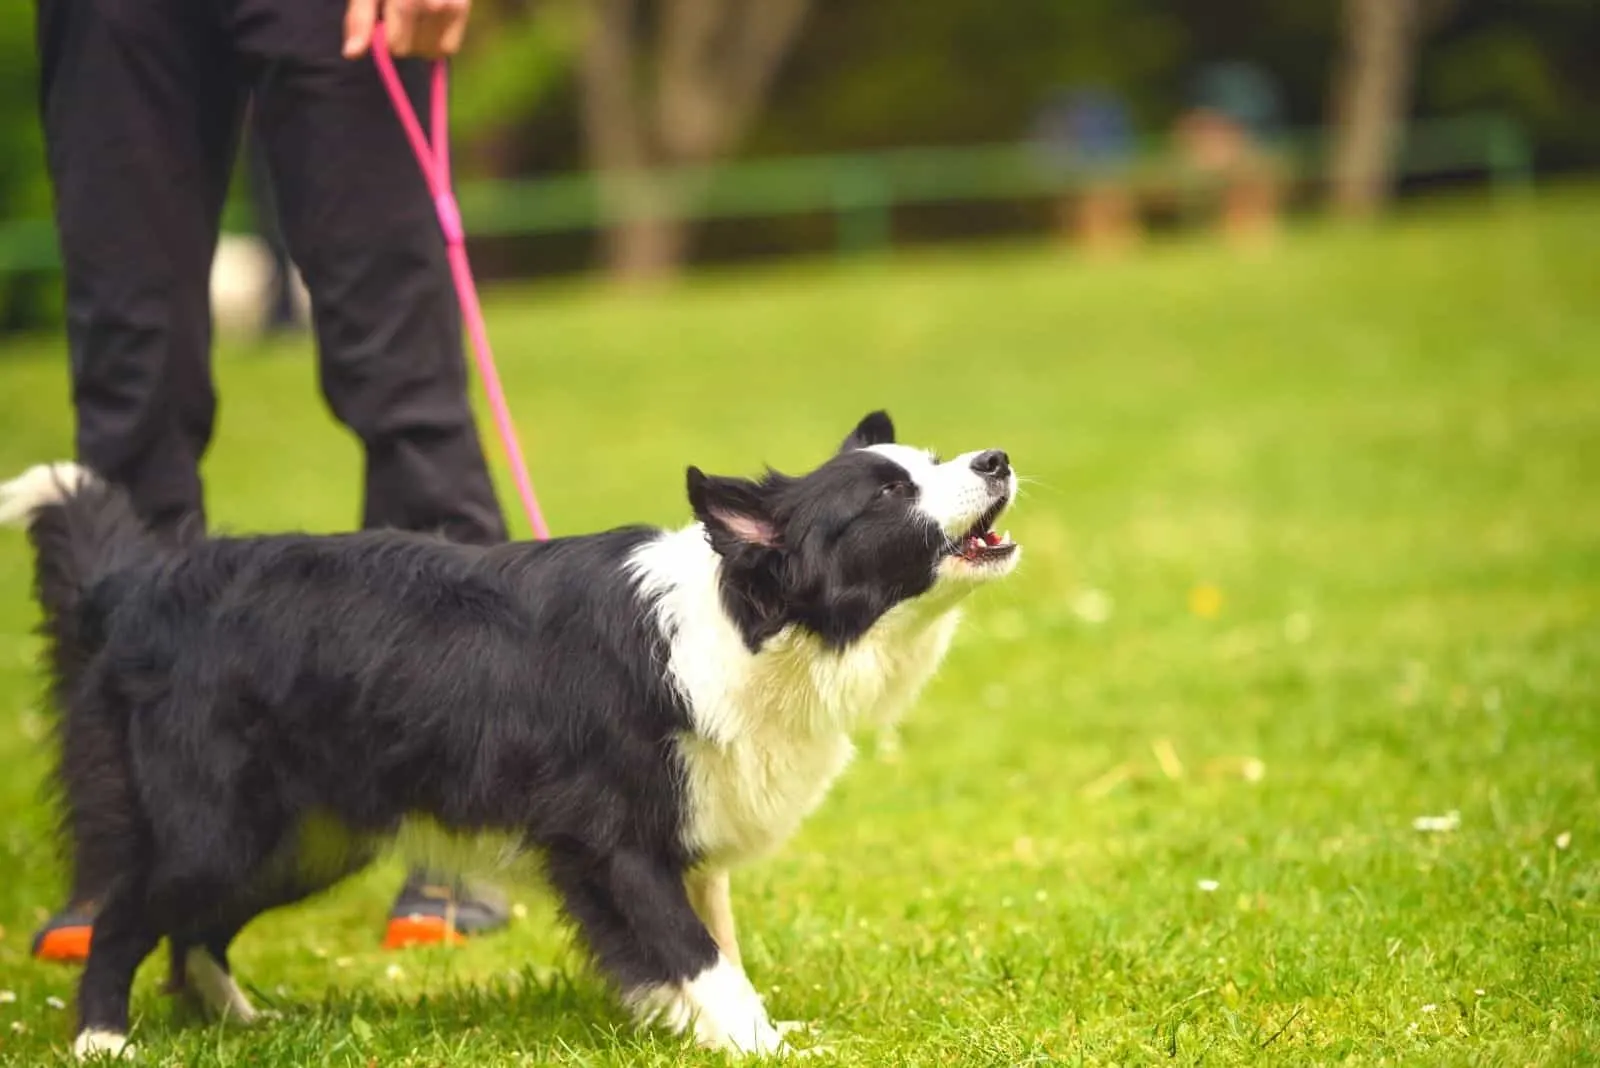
[(426, 28)]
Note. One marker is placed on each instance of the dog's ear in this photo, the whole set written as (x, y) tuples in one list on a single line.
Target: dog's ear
[(734, 511), (876, 429)]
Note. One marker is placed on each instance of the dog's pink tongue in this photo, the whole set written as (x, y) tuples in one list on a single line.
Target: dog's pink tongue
[(991, 538)]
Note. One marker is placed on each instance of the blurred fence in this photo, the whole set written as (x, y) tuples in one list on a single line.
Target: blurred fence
[(862, 190)]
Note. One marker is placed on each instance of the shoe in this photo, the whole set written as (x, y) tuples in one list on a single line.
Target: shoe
[(65, 937), (430, 911), (426, 912)]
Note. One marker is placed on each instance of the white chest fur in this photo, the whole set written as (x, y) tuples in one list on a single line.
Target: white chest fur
[(771, 731)]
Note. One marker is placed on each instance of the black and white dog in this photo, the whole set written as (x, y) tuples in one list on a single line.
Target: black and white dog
[(245, 721)]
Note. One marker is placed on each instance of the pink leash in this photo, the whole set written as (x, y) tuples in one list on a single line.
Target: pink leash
[(434, 160)]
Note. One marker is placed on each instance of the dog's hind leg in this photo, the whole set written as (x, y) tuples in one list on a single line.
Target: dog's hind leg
[(201, 971), (635, 913), (124, 936), (211, 980)]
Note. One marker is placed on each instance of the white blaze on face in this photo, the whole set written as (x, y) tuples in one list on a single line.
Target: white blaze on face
[(952, 494)]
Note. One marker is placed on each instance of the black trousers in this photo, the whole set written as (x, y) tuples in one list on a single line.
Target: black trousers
[(142, 103)]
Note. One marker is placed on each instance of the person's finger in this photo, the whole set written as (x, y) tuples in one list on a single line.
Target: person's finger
[(440, 27), (454, 34), (400, 20), (359, 18), (456, 31)]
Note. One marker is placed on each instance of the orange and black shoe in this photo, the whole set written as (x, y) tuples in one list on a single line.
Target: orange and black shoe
[(65, 937), (431, 911)]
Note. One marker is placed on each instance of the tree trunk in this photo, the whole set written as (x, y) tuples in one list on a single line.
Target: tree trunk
[(1372, 95), (642, 242), (714, 62), (646, 252), (647, 240)]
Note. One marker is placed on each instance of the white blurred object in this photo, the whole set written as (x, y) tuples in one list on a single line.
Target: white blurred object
[(241, 286), (1450, 821), (1092, 606)]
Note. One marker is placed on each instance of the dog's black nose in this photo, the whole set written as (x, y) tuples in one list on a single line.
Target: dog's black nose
[(994, 463)]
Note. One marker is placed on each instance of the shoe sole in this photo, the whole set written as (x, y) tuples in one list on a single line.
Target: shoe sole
[(406, 931), (70, 945), (64, 945)]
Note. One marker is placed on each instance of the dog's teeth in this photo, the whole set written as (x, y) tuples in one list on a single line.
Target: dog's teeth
[(1005, 537)]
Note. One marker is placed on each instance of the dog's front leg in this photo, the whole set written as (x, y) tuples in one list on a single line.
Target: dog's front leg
[(711, 895), (636, 915)]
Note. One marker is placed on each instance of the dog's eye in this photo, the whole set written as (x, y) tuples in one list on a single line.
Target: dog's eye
[(896, 489)]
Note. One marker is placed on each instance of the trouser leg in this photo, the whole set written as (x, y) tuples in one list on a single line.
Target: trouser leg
[(360, 223), (140, 105)]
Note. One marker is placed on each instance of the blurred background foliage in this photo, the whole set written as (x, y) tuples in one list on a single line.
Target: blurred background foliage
[(550, 87)]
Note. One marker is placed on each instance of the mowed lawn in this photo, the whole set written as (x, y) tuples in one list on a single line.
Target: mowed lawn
[(1312, 552)]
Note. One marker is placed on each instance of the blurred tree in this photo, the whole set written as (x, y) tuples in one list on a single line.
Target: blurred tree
[(1530, 59), (515, 59), (742, 78), (677, 85), (943, 72), (26, 299), (1372, 95)]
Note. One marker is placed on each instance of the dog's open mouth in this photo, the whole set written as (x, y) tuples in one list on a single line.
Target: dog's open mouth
[(980, 544)]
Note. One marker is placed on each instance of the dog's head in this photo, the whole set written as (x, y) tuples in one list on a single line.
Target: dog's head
[(876, 525)]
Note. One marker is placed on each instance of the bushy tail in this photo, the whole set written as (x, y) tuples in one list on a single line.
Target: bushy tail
[(81, 527)]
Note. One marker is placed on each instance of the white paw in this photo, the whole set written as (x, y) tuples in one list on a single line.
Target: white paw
[(727, 1011), (803, 1027), (754, 1036), (95, 1045), (216, 990), (662, 1007), (720, 1009)]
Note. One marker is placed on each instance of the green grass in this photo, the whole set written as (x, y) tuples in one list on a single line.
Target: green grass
[(1374, 454)]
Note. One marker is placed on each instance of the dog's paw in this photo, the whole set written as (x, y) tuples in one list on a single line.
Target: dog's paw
[(770, 1040), (102, 1045), (756, 1037), (215, 991), (786, 1028)]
